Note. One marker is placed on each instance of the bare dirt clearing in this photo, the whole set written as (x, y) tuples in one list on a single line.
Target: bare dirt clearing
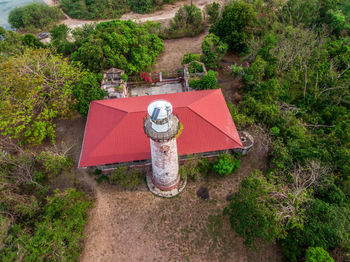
[(137, 226), (170, 59)]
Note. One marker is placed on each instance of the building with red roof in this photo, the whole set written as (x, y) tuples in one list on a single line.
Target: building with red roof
[(114, 128)]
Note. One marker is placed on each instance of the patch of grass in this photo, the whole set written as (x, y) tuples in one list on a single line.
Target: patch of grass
[(214, 228)]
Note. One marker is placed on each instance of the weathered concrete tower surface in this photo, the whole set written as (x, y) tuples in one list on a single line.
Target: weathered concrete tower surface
[(161, 126)]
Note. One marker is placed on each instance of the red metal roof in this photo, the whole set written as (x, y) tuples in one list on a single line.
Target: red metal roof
[(114, 128)]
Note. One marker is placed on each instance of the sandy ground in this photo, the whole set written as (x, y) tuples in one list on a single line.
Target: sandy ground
[(174, 49)]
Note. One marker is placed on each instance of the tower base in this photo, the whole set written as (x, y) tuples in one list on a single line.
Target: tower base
[(169, 193)]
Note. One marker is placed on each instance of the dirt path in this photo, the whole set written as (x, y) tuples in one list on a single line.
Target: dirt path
[(161, 16)]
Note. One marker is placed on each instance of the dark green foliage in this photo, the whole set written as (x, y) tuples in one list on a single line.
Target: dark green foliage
[(235, 26), (212, 10), (194, 67), (207, 81), (317, 254), (86, 90), (34, 17), (251, 214), (32, 41), (326, 226), (226, 164), (187, 22), (120, 44), (213, 51), (127, 178)]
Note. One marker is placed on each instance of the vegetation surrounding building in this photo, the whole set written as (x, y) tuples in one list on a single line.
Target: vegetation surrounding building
[(295, 86)]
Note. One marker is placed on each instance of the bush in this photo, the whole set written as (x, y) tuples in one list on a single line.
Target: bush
[(226, 164), (234, 28), (190, 170), (34, 17), (32, 41), (187, 22), (126, 177), (317, 254), (54, 163), (194, 67), (207, 81), (86, 90), (212, 10), (213, 51)]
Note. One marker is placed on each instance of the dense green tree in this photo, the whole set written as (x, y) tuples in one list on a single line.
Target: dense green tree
[(195, 66), (251, 212), (36, 88), (121, 44), (86, 90), (34, 17), (236, 25), (213, 51)]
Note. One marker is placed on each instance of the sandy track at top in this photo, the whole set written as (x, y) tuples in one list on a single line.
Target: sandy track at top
[(167, 13)]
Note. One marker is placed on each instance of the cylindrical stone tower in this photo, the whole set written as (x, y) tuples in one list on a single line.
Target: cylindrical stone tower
[(161, 126)]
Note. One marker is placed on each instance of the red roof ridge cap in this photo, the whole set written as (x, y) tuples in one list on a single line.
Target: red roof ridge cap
[(109, 106)]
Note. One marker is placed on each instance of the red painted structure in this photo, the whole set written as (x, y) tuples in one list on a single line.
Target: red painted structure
[(114, 129)]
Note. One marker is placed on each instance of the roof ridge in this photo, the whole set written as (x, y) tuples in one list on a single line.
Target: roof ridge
[(209, 92), (213, 125), (109, 106)]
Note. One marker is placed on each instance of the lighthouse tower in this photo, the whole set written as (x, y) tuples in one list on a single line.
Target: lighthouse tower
[(161, 126)]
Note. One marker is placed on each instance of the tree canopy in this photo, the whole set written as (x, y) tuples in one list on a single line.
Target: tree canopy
[(121, 44), (34, 17), (36, 89)]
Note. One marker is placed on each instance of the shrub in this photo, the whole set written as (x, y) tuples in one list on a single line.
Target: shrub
[(127, 178), (275, 131), (207, 81), (32, 41), (187, 22), (226, 164), (212, 10), (54, 163), (234, 28), (190, 170), (317, 254), (86, 90), (193, 67), (213, 51), (35, 16)]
